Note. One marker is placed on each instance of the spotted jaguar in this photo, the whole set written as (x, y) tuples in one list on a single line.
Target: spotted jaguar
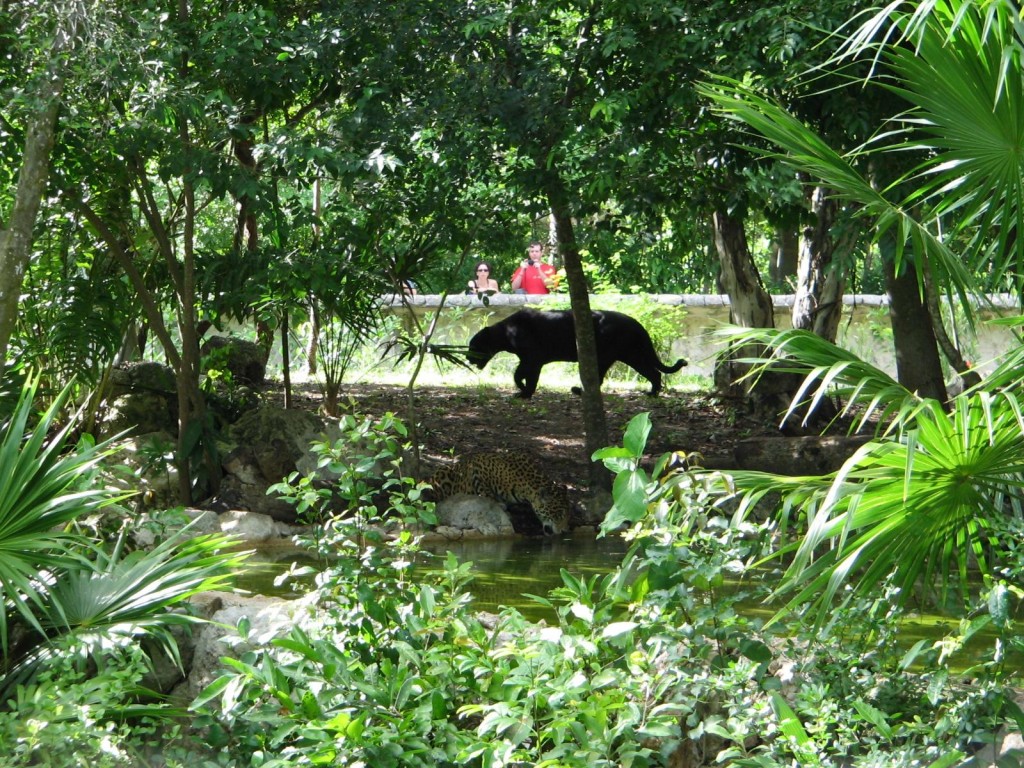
[(509, 478)]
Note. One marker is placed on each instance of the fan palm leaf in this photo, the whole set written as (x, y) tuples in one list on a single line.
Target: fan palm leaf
[(802, 149), (967, 89), (909, 510), (43, 488), (112, 596), (956, 64), (923, 500), (917, 502)]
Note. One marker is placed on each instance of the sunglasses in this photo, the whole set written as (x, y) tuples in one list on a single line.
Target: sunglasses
[(483, 269)]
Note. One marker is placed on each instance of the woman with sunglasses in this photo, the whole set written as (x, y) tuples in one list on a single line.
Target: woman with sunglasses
[(483, 283)]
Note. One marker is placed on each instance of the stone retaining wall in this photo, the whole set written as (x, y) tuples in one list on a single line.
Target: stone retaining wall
[(864, 330)]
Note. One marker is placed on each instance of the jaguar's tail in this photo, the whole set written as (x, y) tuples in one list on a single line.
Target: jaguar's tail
[(672, 368)]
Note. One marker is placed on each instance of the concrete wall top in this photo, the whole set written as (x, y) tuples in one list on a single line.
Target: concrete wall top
[(1002, 301)]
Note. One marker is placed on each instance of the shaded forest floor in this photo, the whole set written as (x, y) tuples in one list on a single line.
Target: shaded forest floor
[(455, 420)]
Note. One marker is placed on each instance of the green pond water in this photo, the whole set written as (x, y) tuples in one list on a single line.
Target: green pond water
[(506, 571)]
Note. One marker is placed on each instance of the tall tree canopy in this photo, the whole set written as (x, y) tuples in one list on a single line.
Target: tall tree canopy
[(259, 159)]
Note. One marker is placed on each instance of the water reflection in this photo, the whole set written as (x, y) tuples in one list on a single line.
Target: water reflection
[(505, 570)]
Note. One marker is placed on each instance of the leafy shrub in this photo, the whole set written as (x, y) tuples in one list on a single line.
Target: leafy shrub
[(74, 717), (361, 474), (77, 606), (660, 662)]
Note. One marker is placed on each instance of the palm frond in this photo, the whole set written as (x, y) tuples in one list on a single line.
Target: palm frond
[(405, 348), (828, 371), (43, 487), (906, 510), (108, 596), (802, 149), (968, 119)]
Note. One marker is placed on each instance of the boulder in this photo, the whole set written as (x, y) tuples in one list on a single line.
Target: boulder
[(143, 399), (463, 515), (271, 440), (599, 502), (266, 445), (268, 617), (143, 376), (253, 527), (1006, 749), (243, 359)]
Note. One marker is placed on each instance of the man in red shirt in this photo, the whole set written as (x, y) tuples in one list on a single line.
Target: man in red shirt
[(533, 275)]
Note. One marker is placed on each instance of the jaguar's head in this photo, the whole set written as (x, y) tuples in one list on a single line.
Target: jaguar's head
[(481, 350), (553, 511)]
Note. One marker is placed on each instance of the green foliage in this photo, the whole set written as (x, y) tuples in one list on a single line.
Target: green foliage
[(628, 255), (394, 669), (337, 344), (72, 717), (76, 606), (922, 502), (42, 491), (73, 326), (950, 196), (807, 694), (871, 397), (360, 476), (659, 659)]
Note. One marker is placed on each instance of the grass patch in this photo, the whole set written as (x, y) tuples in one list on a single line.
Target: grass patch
[(498, 375)]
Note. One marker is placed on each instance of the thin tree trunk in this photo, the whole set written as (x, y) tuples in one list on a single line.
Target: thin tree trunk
[(314, 335), (16, 238), (285, 361), (819, 296), (314, 312), (950, 349), (917, 356), (191, 404), (595, 424)]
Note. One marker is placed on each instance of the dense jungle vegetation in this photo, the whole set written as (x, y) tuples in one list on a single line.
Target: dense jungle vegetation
[(172, 167)]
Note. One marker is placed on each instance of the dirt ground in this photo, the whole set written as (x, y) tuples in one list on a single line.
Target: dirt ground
[(452, 421)]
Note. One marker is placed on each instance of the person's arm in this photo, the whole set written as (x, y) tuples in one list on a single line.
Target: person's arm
[(517, 279)]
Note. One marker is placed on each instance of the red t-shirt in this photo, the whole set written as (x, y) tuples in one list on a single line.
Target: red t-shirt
[(533, 277)]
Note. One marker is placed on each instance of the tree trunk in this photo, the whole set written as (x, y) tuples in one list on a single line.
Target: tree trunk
[(819, 295), (193, 431), (595, 424), (948, 346), (314, 311), (917, 355), (247, 232), (16, 238), (785, 255), (750, 305), (768, 395), (314, 335), (286, 361)]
